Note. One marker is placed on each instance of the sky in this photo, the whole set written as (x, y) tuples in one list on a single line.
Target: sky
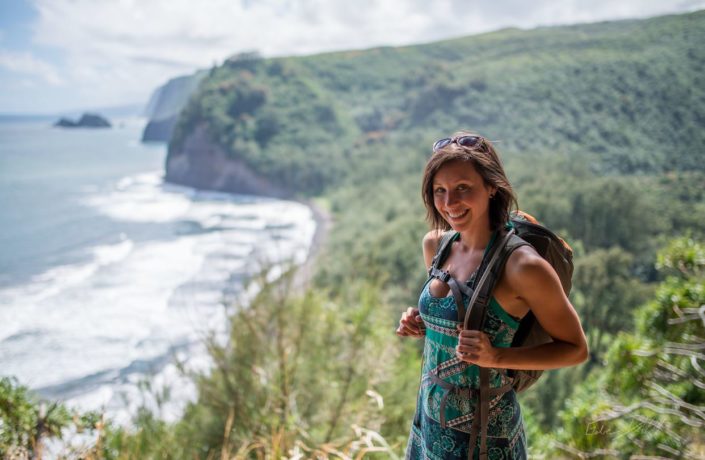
[(59, 56)]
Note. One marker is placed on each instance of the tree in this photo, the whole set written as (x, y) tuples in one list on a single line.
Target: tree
[(606, 295), (650, 398), (26, 421)]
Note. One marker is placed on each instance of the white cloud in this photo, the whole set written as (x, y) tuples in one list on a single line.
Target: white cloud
[(117, 51), (27, 64)]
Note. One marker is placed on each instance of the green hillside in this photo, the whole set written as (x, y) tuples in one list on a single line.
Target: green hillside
[(601, 127), (627, 96)]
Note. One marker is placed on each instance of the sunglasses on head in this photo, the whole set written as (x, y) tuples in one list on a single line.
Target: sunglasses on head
[(464, 141)]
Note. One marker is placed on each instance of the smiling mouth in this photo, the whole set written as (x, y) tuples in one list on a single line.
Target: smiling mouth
[(458, 215)]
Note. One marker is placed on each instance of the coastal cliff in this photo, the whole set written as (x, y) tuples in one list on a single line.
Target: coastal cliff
[(165, 104), (198, 162), (159, 130)]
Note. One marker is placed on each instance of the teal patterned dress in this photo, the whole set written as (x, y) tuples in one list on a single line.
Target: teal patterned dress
[(445, 436)]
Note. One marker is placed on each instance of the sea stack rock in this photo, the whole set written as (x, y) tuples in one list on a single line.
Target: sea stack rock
[(87, 120)]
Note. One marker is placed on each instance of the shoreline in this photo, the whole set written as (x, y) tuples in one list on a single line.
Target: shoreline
[(324, 221), (195, 353), (160, 370)]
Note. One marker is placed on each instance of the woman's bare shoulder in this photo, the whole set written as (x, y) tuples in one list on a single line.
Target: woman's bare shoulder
[(431, 239), (430, 245), (523, 256), (526, 268), (522, 259)]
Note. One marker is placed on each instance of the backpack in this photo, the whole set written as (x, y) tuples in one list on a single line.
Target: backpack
[(522, 229)]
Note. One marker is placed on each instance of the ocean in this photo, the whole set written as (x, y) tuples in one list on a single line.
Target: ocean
[(107, 273)]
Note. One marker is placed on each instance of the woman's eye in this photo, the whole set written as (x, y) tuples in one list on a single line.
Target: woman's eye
[(439, 190), (463, 188)]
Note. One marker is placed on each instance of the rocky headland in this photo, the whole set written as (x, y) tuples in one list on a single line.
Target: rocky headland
[(165, 104), (200, 163)]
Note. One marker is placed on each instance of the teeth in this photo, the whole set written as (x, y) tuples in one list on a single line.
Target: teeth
[(455, 216)]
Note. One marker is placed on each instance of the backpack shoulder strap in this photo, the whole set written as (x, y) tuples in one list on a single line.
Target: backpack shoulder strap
[(475, 318), (434, 271), (442, 250), (491, 274), (514, 243)]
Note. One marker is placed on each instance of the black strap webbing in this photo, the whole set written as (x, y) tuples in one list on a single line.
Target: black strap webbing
[(490, 271), (443, 250)]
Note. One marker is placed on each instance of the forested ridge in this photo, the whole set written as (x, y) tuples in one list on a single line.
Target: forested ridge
[(602, 131), (608, 93)]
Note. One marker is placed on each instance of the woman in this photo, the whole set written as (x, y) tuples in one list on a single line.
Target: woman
[(466, 190)]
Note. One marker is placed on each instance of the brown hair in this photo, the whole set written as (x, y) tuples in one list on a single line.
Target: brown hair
[(487, 163)]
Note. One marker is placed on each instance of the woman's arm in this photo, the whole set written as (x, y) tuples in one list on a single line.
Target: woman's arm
[(411, 324), (533, 280)]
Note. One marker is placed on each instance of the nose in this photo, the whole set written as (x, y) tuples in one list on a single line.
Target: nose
[(451, 198)]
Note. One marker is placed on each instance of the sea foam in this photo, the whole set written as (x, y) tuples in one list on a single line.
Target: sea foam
[(89, 333)]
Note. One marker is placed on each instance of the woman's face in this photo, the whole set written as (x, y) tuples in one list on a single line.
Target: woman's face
[(461, 196)]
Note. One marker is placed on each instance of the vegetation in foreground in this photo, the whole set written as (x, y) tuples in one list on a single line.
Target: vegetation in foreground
[(302, 376)]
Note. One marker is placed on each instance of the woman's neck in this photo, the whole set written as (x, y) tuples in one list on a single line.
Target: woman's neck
[(476, 239)]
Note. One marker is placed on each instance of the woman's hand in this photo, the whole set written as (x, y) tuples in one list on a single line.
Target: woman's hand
[(474, 347), (411, 324)]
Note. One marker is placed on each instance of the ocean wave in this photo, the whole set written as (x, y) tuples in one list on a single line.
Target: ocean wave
[(18, 303), (83, 331)]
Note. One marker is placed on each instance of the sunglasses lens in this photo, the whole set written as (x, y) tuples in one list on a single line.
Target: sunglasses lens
[(468, 141), (441, 143)]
